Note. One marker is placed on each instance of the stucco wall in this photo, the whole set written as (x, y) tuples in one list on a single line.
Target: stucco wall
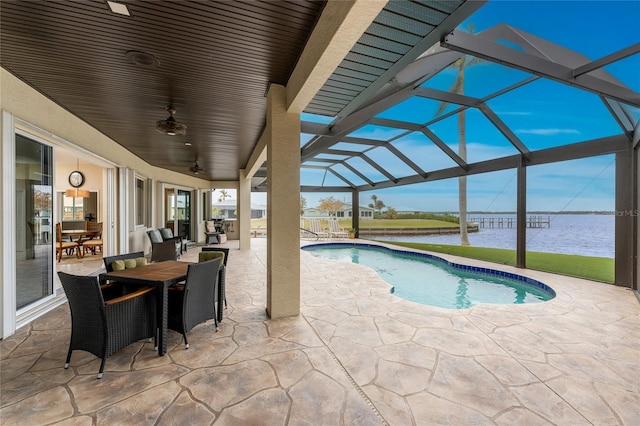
[(63, 129)]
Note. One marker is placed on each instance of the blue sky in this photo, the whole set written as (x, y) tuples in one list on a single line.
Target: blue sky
[(542, 114)]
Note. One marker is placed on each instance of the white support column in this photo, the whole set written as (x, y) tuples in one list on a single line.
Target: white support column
[(125, 181), (283, 206), (244, 210), (8, 227)]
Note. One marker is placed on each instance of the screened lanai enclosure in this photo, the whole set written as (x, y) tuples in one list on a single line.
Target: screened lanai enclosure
[(480, 101), (430, 93)]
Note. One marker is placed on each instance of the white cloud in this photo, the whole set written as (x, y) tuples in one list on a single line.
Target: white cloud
[(501, 113), (547, 132)]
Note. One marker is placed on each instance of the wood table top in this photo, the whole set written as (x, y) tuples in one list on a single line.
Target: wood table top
[(170, 270)]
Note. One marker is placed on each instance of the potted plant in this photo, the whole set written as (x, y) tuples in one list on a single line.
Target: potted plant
[(352, 232)]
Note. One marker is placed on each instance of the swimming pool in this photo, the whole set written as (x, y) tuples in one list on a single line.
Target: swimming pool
[(431, 280)]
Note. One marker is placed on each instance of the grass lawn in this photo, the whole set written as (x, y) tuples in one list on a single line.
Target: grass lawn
[(592, 268)]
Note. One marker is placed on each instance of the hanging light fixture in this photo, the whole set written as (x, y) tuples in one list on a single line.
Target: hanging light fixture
[(76, 180), (77, 193)]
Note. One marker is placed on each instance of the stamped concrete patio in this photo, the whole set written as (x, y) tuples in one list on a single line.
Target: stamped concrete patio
[(356, 355)]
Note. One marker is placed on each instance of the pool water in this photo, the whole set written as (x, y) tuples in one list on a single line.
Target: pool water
[(431, 280)]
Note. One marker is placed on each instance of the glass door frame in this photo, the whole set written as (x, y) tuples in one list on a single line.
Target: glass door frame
[(10, 317), (193, 207), (10, 313), (51, 291)]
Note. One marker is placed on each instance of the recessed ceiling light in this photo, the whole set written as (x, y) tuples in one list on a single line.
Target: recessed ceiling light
[(119, 8), (142, 59), (187, 143)]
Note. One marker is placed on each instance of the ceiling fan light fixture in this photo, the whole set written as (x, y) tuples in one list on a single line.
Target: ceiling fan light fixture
[(195, 169), (170, 126)]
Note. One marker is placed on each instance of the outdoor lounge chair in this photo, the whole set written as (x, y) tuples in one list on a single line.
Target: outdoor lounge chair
[(167, 235), (317, 228), (335, 230), (162, 250), (214, 232), (104, 327)]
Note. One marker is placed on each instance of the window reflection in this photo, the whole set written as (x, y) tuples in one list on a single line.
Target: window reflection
[(34, 209)]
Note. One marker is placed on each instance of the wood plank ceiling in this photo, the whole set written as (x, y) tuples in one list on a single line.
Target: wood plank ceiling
[(211, 61), (215, 61)]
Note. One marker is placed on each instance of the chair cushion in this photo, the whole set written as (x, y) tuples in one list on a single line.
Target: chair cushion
[(166, 233), (209, 226), (130, 263), (119, 265), (155, 236), (203, 256)]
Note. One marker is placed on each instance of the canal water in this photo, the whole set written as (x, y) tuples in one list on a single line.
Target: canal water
[(582, 234)]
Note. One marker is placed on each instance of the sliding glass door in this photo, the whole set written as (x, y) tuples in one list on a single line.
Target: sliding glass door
[(178, 211), (34, 217), (184, 214)]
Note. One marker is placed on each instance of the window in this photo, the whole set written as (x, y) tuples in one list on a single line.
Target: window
[(73, 208), (141, 206), (77, 208)]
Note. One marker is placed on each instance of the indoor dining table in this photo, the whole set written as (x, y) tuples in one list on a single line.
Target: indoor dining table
[(160, 275), (80, 233)]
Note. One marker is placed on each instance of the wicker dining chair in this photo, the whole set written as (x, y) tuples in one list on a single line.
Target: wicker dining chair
[(222, 275), (104, 327), (190, 305), (108, 261), (115, 287)]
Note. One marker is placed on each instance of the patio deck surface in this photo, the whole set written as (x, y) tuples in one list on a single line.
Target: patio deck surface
[(357, 355)]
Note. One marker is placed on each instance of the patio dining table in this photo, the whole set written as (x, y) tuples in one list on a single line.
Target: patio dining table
[(160, 275)]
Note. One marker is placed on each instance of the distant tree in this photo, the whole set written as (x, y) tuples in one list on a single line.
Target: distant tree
[(330, 205), (377, 204), (458, 87), (390, 213), (303, 205), (223, 195)]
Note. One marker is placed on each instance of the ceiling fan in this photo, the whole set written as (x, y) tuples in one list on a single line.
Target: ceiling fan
[(196, 168), (170, 126)]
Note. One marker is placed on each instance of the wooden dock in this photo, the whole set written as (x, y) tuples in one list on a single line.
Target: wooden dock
[(510, 222)]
